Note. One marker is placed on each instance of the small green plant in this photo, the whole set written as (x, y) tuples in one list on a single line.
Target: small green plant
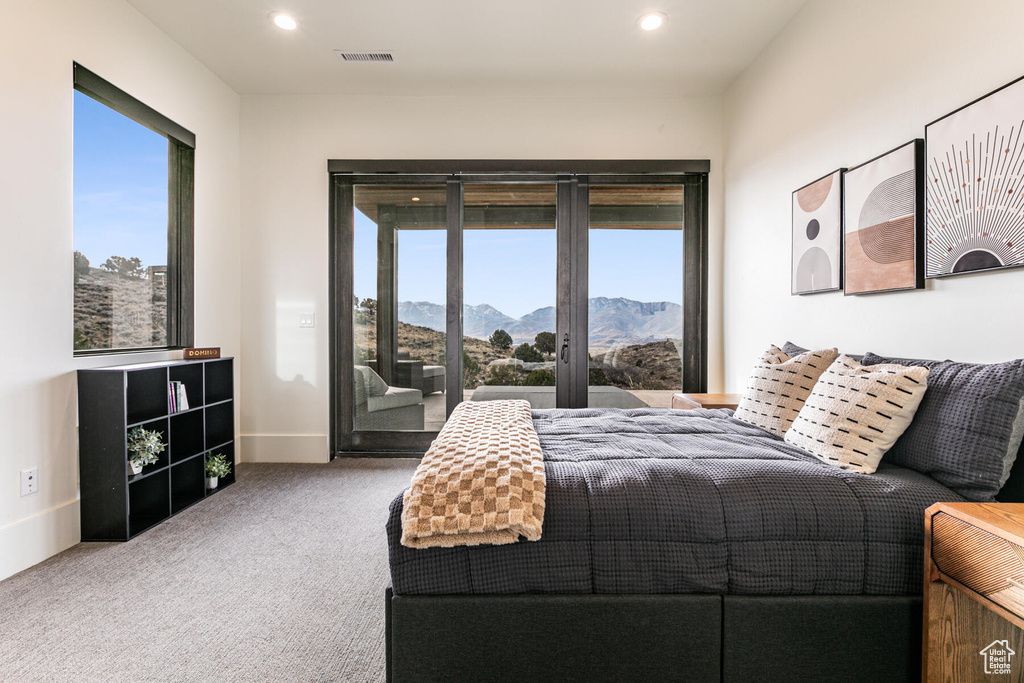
[(217, 465), (144, 446)]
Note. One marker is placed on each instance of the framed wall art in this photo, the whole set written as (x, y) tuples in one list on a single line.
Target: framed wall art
[(818, 235), (975, 155), (883, 222)]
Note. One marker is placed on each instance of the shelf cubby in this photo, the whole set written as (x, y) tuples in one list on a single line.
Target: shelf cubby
[(220, 421), (148, 502), (220, 383), (186, 435), (146, 394), (228, 451), (188, 484), (192, 377), (163, 458), (117, 505)]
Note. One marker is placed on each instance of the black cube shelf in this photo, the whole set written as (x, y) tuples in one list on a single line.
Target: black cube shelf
[(117, 505)]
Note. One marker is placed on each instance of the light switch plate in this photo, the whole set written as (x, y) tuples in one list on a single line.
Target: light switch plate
[(307, 320)]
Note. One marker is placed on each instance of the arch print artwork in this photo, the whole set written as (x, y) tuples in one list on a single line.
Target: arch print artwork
[(882, 207), (975, 179), (818, 235)]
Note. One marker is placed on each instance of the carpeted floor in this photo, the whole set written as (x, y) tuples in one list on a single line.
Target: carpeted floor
[(279, 577)]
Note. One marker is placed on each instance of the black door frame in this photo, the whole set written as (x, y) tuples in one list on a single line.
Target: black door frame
[(573, 180)]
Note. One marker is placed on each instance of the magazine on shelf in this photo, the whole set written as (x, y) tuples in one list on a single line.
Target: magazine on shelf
[(177, 396)]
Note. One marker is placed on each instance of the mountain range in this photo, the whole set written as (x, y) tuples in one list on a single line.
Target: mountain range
[(611, 320)]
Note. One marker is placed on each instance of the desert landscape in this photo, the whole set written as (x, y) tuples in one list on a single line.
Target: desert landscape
[(634, 345), (120, 305)]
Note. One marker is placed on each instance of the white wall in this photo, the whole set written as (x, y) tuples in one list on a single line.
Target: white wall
[(286, 142), (842, 83), (39, 40)]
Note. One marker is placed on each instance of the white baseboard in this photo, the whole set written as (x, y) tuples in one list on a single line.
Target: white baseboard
[(313, 448), (41, 536)]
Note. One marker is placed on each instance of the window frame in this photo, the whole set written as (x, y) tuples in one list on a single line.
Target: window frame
[(181, 145), (573, 178)]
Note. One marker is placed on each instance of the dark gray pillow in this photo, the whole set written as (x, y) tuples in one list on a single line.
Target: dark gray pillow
[(791, 349), (968, 428)]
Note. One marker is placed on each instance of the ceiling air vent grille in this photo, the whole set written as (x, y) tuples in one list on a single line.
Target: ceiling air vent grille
[(364, 56)]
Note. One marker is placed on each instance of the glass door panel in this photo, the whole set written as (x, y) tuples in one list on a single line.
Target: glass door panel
[(399, 312), (635, 314), (509, 285)]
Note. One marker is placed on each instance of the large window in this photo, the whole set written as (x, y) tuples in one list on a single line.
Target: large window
[(133, 172), (509, 284), (399, 314), (564, 284), (635, 316)]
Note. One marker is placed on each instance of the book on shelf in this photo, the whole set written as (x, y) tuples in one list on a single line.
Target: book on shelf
[(177, 397)]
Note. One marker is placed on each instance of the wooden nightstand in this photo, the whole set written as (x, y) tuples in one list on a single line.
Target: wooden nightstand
[(974, 592), (692, 401)]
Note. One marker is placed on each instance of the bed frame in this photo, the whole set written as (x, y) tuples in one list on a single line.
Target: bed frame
[(593, 637)]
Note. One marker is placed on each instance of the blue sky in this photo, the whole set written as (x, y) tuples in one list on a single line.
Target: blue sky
[(120, 186), (514, 270)]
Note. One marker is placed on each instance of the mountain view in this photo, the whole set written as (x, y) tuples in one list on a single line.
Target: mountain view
[(612, 321)]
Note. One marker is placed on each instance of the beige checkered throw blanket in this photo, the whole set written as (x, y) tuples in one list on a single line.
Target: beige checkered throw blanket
[(482, 481)]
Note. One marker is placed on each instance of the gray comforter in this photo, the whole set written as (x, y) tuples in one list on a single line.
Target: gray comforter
[(659, 501)]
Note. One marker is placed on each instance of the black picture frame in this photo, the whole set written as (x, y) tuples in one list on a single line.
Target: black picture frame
[(917, 248), (837, 192), (954, 218)]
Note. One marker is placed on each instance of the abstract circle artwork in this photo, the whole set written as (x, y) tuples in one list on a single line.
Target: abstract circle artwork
[(817, 236), (882, 222)]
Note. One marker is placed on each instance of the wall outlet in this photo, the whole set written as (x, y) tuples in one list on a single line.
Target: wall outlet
[(307, 320), (30, 481)]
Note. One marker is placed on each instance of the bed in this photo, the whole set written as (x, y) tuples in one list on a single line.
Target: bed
[(677, 545)]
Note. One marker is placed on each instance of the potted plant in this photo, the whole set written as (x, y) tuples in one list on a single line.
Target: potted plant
[(144, 448), (217, 466)]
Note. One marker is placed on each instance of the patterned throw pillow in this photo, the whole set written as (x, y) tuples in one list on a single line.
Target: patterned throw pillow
[(779, 385), (856, 412)]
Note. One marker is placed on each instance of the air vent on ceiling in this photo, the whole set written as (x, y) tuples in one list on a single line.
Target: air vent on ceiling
[(364, 56)]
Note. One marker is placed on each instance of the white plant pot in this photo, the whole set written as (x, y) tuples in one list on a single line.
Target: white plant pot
[(136, 469), (211, 482)]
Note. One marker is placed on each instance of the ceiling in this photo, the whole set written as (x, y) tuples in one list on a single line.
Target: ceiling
[(475, 47)]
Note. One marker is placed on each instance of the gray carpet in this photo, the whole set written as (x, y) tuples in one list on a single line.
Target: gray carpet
[(279, 577)]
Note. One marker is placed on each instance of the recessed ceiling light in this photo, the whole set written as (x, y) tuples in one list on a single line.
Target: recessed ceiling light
[(652, 20), (284, 21), (415, 199)]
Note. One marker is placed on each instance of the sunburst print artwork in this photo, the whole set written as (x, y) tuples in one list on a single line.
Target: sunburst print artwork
[(975, 183)]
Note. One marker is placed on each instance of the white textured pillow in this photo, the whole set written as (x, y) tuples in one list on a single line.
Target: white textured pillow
[(856, 412), (778, 386)]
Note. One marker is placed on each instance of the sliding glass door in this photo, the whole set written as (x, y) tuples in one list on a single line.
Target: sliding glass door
[(398, 307), (635, 312), (564, 290), (509, 268)]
